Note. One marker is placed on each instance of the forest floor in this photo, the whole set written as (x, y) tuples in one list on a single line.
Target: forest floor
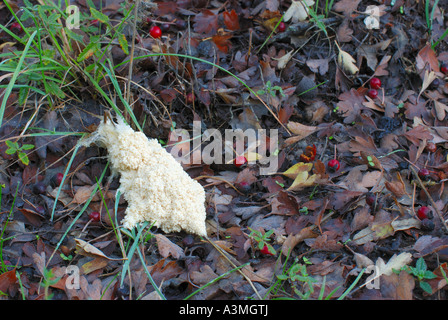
[(356, 92)]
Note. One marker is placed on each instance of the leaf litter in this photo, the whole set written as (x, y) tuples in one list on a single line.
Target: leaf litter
[(314, 217)]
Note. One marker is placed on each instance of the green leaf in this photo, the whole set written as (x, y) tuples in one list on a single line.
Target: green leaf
[(429, 275), (24, 158), (88, 51), (27, 147), (421, 265), (426, 287), (12, 145), (123, 43), (99, 15), (54, 89), (73, 35)]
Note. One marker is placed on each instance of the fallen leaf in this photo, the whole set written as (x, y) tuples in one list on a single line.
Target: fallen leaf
[(7, 279), (86, 249), (346, 6), (204, 276), (83, 194), (427, 58), (301, 131), (223, 42), (297, 11), (303, 180), (298, 168), (396, 262), (417, 134), (231, 20), (441, 110), (428, 78), (293, 240), (206, 22), (318, 65), (168, 248), (346, 61)]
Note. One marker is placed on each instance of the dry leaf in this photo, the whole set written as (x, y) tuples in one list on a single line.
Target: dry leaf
[(394, 263), (167, 248), (346, 6), (441, 110), (231, 20), (428, 78), (303, 180), (346, 61), (283, 61), (296, 169), (301, 131), (298, 11), (86, 249), (83, 194)]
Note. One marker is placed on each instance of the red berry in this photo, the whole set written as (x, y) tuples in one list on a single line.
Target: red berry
[(239, 161), (17, 27), (266, 251), (57, 179), (281, 27), (155, 32), (423, 174), (424, 213), (372, 93), (334, 165), (95, 216), (444, 68), (375, 83)]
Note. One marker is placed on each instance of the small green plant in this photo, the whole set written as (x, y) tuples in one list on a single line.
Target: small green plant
[(262, 239), (48, 280), (13, 147), (301, 282), (271, 90), (421, 272)]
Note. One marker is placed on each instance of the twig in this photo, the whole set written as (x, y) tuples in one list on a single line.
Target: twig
[(430, 199)]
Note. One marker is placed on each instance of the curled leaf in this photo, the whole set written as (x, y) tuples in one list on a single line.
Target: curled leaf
[(346, 61)]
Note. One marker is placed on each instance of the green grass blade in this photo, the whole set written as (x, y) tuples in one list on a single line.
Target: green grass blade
[(346, 292), (14, 77)]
